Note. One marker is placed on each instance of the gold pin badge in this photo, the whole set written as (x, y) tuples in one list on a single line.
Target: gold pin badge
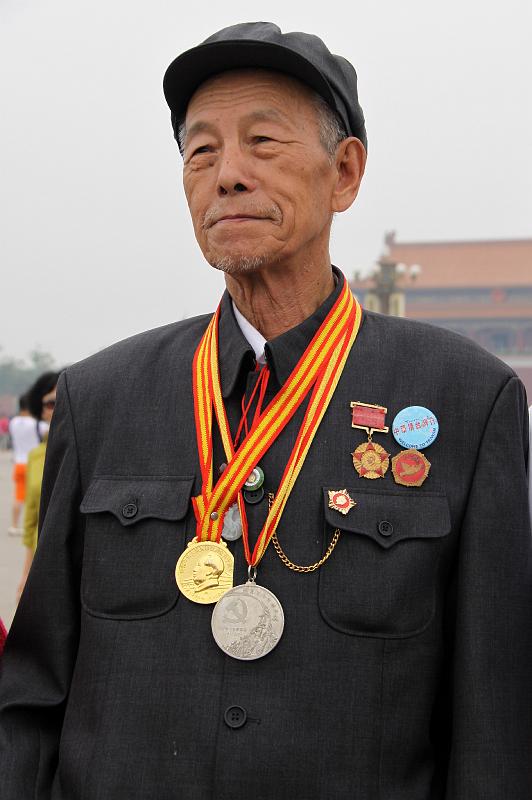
[(341, 501)]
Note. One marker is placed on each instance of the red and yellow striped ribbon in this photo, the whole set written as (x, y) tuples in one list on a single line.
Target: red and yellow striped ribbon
[(319, 369)]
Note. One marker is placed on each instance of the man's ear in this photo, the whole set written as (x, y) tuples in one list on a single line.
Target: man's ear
[(350, 163)]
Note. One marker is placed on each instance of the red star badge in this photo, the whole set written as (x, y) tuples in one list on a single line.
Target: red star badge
[(371, 460), (341, 501)]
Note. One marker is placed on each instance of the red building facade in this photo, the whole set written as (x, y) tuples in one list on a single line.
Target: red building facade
[(481, 289)]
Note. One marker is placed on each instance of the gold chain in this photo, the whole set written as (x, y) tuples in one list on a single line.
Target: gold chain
[(290, 564)]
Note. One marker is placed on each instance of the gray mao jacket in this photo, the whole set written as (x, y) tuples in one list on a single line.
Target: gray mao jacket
[(405, 668)]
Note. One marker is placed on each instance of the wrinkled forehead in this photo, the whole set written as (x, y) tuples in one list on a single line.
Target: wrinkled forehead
[(251, 86)]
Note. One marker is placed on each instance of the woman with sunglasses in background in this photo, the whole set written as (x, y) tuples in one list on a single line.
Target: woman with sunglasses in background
[(41, 402)]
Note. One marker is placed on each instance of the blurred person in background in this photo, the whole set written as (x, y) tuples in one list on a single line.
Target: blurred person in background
[(26, 432), (4, 433), (41, 404)]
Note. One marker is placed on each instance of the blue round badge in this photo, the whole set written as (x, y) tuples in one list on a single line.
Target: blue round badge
[(415, 427)]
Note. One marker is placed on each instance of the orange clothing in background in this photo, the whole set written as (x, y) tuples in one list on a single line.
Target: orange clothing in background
[(19, 479)]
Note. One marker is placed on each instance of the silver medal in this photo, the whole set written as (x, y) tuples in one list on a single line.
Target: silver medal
[(247, 622), (232, 529)]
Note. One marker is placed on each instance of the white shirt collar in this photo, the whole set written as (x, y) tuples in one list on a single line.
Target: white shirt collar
[(253, 336)]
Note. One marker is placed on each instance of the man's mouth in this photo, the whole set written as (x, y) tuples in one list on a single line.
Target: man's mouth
[(238, 218), (215, 216)]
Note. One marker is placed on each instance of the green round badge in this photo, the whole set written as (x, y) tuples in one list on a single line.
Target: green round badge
[(255, 480)]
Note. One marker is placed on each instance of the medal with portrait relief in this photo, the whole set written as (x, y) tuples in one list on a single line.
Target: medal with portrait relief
[(204, 571)]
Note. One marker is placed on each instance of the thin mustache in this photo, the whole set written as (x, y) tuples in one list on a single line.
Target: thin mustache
[(213, 215)]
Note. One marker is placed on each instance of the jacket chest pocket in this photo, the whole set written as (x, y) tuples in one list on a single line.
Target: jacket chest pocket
[(134, 534), (381, 580)]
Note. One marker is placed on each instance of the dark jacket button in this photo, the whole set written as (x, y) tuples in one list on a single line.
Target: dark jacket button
[(253, 497), (129, 510), (385, 528), (235, 716)]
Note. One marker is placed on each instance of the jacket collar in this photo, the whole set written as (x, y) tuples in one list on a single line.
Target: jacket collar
[(282, 353), (234, 351)]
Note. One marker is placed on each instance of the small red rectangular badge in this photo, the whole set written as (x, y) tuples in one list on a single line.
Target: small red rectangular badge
[(369, 417)]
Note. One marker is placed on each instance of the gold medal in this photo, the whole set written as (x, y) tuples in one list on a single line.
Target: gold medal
[(371, 460), (204, 571)]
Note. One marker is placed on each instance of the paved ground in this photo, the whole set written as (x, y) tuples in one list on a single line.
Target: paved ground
[(11, 549)]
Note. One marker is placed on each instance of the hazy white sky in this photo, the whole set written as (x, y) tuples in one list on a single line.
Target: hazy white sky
[(95, 238)]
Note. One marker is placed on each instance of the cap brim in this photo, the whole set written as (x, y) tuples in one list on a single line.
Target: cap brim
[(189, 70)]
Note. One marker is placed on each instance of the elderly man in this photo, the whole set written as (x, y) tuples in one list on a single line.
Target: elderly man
[(358, 483)]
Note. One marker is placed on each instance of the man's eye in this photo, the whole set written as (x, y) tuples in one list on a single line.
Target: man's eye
[(262, 139), (205, 148)]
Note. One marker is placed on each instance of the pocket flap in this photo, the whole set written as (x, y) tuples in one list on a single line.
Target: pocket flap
[(132, 498), (389, 517)]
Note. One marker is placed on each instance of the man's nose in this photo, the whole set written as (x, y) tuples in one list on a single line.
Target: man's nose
[(233, 177)]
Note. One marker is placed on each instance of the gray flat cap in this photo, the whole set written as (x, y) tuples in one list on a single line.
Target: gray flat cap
[(263, 44)]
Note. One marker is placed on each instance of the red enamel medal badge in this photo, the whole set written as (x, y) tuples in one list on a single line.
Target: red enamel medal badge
[(410, 467), (370, 459), (340, 500), (369, 418)]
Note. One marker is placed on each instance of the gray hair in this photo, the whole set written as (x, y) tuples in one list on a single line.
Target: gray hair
[(180, 135), (330, 126)]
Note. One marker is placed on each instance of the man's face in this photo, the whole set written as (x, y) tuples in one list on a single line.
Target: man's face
[(208, 567), (201, 572), (258, 180)]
